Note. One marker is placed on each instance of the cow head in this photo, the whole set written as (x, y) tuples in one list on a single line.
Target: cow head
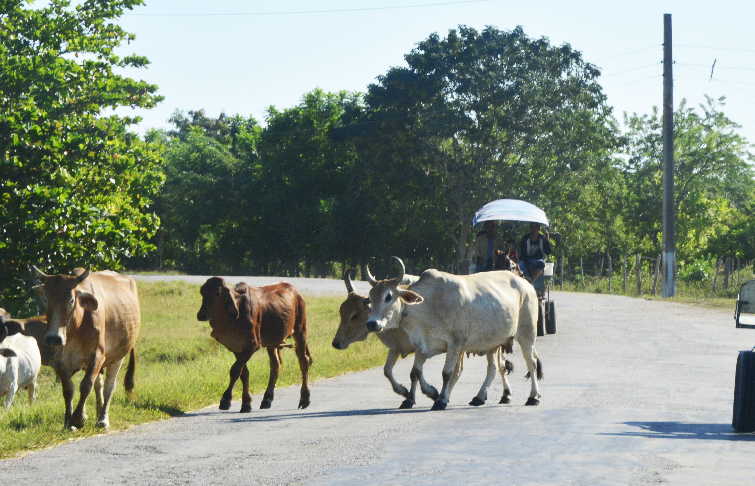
[(354, 311), (65, 302), (8, 327), (217, 298), (387, 301)]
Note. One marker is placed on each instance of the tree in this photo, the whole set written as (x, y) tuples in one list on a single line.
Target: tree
[(483, 115), (75, 184), (713, 177)]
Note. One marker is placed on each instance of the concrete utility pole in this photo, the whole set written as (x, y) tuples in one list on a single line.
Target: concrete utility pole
[(669, 244)]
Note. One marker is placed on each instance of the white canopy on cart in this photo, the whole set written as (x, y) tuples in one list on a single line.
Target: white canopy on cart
[(510, 210)]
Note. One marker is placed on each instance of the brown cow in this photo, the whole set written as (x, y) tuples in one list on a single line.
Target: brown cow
[(93, 319), (246, 318)]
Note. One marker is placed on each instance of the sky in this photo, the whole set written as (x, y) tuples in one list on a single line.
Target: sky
[(240, 57)]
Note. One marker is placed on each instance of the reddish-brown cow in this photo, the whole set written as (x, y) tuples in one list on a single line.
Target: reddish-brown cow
[(93, 320), (246, 318)]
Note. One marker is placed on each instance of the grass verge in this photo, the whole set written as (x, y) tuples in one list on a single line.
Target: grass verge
[(179, 368)]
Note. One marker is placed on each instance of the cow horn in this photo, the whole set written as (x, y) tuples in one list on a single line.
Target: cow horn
[(82, 277), (347, 280), (39, 272), (370, 278), (403, 268)]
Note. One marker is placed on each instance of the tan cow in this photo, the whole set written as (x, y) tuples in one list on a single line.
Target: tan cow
[(93, 319)]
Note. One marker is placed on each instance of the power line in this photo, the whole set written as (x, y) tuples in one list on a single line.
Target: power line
[(714, 48), (631, 70), (308, 12)]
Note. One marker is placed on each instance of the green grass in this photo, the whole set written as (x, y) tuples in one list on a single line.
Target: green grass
[(179, 368), (696, 293)]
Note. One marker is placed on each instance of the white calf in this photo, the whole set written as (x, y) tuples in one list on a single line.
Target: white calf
[(19, 365)]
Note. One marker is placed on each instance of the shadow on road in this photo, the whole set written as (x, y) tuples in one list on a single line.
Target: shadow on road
[(335, 413), (679, 430)]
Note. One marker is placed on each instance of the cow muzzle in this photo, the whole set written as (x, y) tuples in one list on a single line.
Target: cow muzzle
[(337, 344), (54, 340), (374, 326)]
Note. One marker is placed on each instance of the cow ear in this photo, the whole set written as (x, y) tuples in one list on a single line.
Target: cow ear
[(410, 297), (87, 300), (230, 303), (8, 353)]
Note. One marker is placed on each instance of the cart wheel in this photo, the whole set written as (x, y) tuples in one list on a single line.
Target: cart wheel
[(540, 318), (743, 419), (550, 318)]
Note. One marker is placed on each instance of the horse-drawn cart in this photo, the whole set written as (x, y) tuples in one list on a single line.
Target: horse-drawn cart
[(743, 419), (516, 211)]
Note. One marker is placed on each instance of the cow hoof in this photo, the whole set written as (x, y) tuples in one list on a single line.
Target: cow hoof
[(102, 424), (532, 401), (70, 428), (265, 404), (224, 404), (303, 403), (505, 399), (77, 422), (440, 405), (246, 407), (476, 402), (408, 403)]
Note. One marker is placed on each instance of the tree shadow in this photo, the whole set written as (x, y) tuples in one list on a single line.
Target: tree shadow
[(165, 408), (337, 413), (680, 430)]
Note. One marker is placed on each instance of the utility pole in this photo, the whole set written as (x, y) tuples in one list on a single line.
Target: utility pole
[(669, 245)]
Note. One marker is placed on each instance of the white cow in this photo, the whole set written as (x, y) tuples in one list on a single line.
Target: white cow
[(352, 328), (452, 314), (19, 365)]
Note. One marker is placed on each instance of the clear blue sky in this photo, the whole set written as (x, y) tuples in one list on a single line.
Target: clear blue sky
[(270, 53)]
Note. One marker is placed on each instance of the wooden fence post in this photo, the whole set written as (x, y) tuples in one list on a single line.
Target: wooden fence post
[(624, 271), (656, 272), (638, 272), (610, 271)]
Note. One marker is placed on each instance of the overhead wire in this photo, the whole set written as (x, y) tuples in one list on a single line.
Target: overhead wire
[(307, 12)]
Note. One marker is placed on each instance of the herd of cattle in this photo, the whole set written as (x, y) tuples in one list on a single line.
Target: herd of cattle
[(93, 318)]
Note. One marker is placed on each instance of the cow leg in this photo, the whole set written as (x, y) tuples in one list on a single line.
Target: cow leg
[(390, 362), (12, 388), (267, 400), (504, 368), (111, 373), (233, 375), (449, 369), (534, 370), (85, 387), (482, 395), (32, 388), (417, 376), (98, 394), (67, 384), (305, 360), (246, 397)]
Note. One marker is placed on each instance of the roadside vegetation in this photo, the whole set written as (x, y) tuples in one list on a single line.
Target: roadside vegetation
[(180, 368)]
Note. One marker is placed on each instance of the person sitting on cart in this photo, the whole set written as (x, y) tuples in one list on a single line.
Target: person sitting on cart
[(485, 246), (532, 251)]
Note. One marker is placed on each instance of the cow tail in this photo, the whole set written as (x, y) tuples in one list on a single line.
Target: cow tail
[(129, 381), (301, 325)]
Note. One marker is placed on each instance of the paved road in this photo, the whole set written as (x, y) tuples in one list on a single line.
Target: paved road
[(635, 392)]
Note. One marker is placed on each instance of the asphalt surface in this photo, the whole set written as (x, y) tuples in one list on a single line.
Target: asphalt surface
[(636, 392)]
